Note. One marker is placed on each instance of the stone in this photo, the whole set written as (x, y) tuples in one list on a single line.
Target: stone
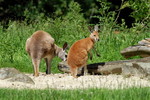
[(8, 72), (13, 75), (21, 78), (136, 67)]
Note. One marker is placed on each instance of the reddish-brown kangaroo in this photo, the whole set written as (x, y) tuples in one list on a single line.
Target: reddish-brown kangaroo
[(78, 53), (41, 45)]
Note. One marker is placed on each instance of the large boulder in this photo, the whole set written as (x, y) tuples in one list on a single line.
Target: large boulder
[(141, 49), (8, 72), (136, 67), (12, 74)]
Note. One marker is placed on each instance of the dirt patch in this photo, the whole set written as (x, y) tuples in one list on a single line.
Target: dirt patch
[(65, 81)]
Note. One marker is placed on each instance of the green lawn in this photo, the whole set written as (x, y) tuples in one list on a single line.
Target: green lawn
[(88, 94)]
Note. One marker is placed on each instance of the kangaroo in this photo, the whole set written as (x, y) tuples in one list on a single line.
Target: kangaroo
[(78, 53), (41, 45)]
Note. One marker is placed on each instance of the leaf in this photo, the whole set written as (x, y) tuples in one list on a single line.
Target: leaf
[(124, 5)]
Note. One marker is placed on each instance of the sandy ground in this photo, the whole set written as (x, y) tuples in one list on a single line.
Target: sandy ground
[(65, 81)]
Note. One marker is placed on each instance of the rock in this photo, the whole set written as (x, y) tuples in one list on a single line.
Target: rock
[(110, 69), (21, 78), (145, 42), (141, 49), (64, 67), (13, 75), (136, 67), (8, 72)]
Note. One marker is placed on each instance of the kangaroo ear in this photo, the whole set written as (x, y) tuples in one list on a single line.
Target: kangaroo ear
[(90, 29), (96, 28), (65, 46)]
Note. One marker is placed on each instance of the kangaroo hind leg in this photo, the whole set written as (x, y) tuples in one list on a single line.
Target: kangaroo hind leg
[(48, 65), (74, 71), (36, 63)]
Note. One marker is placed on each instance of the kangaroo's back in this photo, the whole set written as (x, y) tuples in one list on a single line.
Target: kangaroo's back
[(38, 42), (41, 45), (78, 52)]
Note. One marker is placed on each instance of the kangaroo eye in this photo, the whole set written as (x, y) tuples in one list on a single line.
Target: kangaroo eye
[(66, 56), (94, 35)]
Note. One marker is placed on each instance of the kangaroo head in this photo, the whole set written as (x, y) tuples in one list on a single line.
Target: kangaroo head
[(95, 35), (62, 52)]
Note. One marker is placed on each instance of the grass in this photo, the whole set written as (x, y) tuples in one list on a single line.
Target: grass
[(87, 94)]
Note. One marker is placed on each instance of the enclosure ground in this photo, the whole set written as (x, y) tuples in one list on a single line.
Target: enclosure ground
[(65, 81)]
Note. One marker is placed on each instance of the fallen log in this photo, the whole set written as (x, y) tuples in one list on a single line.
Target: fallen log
[(135, 67), (141, 49)]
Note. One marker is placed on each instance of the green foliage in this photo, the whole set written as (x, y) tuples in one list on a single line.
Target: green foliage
[(33, 12), (141, 10), (106, 19), (80, 94), (31, 9)]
